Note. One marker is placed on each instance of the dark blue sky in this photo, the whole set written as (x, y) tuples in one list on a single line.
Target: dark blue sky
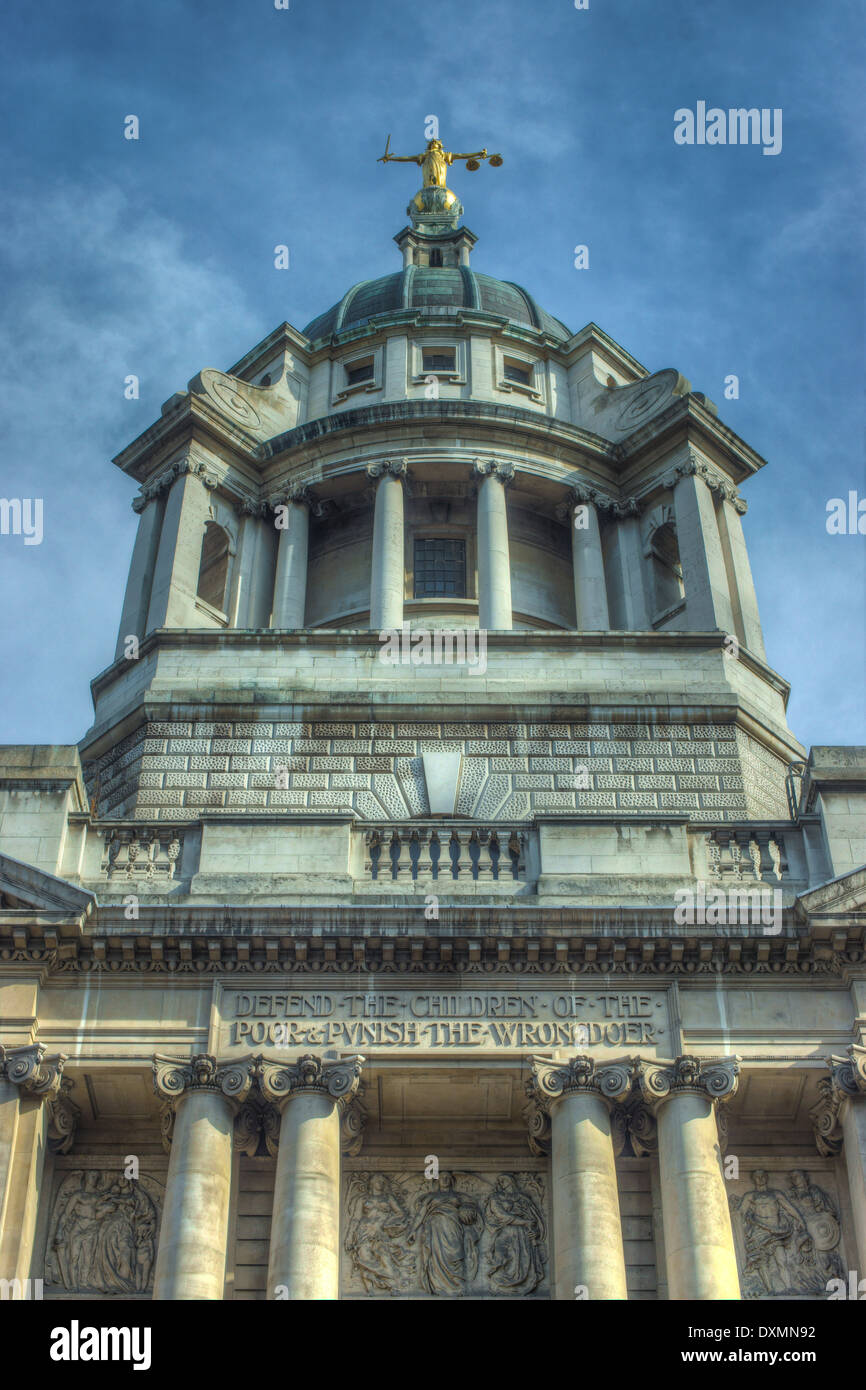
[(262, 126)]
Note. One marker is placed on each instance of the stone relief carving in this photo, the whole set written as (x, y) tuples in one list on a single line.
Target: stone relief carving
[(102, 1236), (458, 1235), (788, 1235)]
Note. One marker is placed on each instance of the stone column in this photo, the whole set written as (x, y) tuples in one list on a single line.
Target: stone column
[(742, 586), (840, 1122), (590, 584), (253, 581), (627, 597), (203, 1098), (133, 620), (494, 564), (705, 579), (587, 1235), (175, 579), (388, 570), (292, 520), (305, 1227), (699, 1241), (30, 1080)]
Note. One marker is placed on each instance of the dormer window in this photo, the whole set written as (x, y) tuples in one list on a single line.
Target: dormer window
[(517, 371), (360, 372), (440, 360)]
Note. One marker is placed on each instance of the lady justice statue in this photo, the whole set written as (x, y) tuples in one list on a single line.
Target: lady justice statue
[(435, 196)]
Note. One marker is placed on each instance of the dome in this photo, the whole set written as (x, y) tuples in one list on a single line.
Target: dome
[(439, 290)]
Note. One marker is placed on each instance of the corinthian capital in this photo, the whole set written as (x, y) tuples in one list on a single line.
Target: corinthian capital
[(281, 1081), (715, 1079), (398, 468), (173, 1077), (581, 1075), (493, 468), (37, 1073)]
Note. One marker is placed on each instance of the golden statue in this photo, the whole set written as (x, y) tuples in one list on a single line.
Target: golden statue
[(434, 162)]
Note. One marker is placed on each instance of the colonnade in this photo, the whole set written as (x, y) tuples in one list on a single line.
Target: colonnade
[(719, 590), (579, 1114)]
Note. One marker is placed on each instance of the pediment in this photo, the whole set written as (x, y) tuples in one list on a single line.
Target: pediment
[(26, 888), (844, 894)]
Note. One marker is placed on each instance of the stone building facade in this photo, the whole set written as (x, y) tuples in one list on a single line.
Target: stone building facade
[(439, 904)]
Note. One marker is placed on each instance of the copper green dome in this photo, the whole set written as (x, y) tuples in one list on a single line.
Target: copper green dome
[(434, 290)]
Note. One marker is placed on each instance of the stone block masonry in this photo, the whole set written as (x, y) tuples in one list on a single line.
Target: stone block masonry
[(178, 770)]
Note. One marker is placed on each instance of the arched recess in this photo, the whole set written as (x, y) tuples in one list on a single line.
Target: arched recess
[(662, 553), (213, 572)]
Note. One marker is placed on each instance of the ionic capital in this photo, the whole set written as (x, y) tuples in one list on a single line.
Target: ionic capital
[(282, 1081), (299, 495), (552, 1080), (493, 468), (36, 1072), (396, 468), (174, 1077), (715, 1080), (63, 1118), (846, 1082)]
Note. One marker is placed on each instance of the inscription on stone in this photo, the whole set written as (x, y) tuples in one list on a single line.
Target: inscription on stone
[(432, 1019)]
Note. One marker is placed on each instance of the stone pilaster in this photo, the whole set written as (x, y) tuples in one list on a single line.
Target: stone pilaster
[(150, 506), (387, 577), (577, 1096), (30, 1080), (494, 563), (705, 579), (175, 579), (305, 1228), (203, 1096), (840, 1124), (698, 1239)]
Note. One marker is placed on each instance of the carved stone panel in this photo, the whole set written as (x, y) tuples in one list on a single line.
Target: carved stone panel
[(461, 1235), (102, 1233), (788, 1232)]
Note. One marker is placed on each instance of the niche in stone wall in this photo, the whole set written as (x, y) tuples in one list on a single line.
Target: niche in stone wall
[(662, 554), (213, 573)]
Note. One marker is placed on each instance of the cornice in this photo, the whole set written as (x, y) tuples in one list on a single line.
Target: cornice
[(341, 940)]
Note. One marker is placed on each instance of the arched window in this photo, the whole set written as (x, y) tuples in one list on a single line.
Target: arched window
[(667, 573), (213, 571)]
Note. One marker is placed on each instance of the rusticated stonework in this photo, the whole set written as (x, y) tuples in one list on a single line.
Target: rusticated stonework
[(461, 1235), (176, 771)]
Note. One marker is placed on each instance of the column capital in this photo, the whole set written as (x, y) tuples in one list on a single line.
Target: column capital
[(63, 1117), (309, 1075), (493, 468), (397, 468), (714, 1079), (846, 1081), (165, 480), (552, 1080), (174, 1077), (693, 466), (36, 1072), (299, 495)]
